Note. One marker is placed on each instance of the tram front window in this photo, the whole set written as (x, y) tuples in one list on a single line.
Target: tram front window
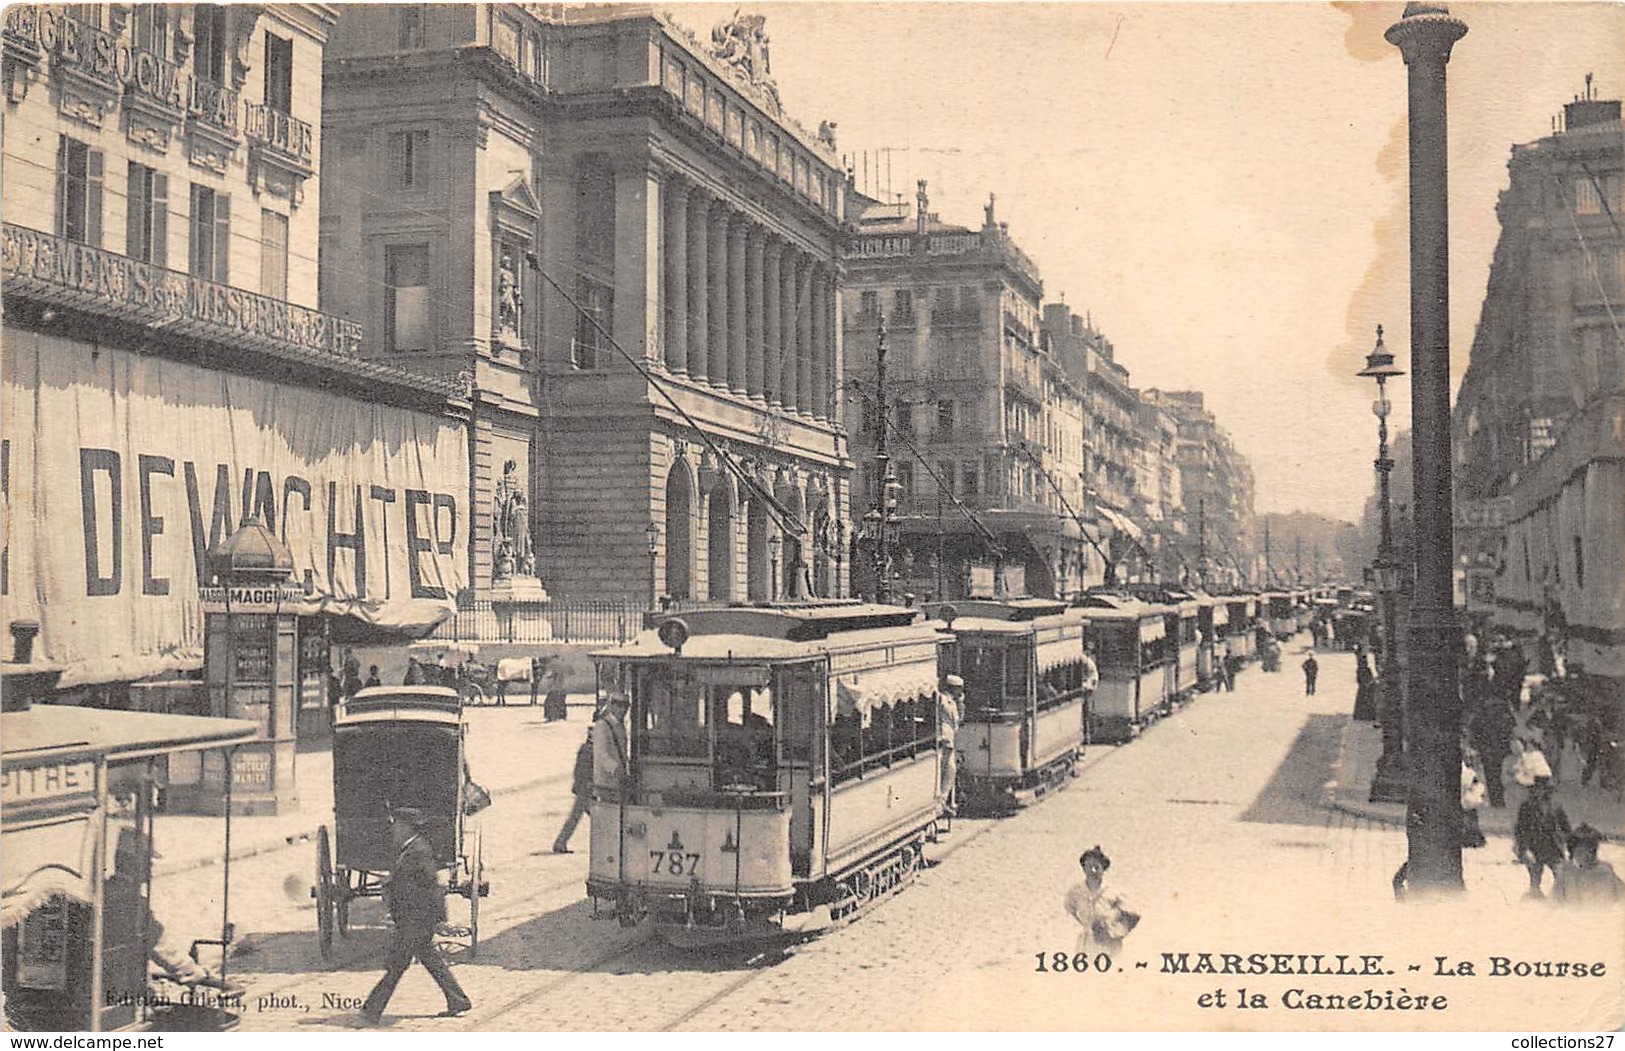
[(982, 668), (725, 716), (744, 752)]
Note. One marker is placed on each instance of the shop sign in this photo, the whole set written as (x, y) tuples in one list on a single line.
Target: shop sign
[(121, 283), (263, 599)]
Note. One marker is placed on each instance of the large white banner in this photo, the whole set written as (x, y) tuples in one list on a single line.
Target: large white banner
[(121, 471)]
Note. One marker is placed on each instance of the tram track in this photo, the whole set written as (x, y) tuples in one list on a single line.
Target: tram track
[(960, 838)]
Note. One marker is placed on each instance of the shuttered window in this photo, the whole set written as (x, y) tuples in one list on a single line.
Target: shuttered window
[(147, 231), (211, 234), (273, 254), (406, 298), (79, 174), (408, 159), (278, 73)]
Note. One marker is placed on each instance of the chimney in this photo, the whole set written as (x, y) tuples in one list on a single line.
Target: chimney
[(921, 215), (1587, 110)]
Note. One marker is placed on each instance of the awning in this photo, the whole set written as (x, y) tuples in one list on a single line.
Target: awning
[(865, 691), (40, 861), (1121, 522), (1060, 651), (1153, 629)]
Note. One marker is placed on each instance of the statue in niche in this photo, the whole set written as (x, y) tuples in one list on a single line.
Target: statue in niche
[(510, 533), (510, 300)]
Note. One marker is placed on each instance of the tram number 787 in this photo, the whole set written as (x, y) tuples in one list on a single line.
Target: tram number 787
[(673, 863)]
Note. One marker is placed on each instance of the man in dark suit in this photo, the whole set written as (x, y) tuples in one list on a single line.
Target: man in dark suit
[(417, 905)]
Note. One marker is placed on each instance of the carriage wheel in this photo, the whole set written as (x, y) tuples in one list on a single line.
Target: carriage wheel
[(345, 896), (473, 693), (477, 877), (324, 894)]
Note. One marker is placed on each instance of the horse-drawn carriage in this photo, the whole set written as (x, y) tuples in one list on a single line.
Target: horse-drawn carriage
[(393, 747)]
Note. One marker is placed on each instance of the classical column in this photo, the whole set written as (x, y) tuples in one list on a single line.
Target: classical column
[(806, 395), (787, 327), (737, 346), (637, 259), (718, 252), (699, 294), (755, 351), (772, 326), (1424, 36), (676, 260), (820, 339)]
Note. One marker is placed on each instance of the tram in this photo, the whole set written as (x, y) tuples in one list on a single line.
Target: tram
[(1182, 616), (1281, 613), (84, 948), (1213, 626), (1243, 624), (1022, 731), (1130, 641), (783, 771)]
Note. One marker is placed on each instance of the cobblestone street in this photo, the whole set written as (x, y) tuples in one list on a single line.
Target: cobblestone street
[(1222, 810)]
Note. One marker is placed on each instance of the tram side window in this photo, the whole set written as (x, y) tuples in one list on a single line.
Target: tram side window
[(1016, 677), (1117, 649), (798, 703), (1059, 685), (674, 718)]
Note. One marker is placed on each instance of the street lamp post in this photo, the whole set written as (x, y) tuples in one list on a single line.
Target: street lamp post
[(773, 544), (652, 532), (1425, 35), (1388, 786), (886, 499)]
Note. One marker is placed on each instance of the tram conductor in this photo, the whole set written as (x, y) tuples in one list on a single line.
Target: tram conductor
[(417, 905), (609, 747), (950, 705)]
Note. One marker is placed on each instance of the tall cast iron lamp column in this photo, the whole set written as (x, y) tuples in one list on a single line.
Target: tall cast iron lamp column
[(652, 533), (1388, 786), (1424, 35), (883, 515)]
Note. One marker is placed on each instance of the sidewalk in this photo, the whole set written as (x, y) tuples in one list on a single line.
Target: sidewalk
[(1362, 745), (509, 750)]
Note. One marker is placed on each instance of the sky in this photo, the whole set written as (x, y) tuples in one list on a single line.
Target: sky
[(1222, 187)]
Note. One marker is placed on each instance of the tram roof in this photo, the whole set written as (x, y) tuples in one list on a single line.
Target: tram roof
[(736, 646), (796, 623), (45, 731), (1105, 605), (1006, 609)]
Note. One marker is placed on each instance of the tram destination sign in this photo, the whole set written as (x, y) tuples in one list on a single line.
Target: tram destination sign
[(43, 781)]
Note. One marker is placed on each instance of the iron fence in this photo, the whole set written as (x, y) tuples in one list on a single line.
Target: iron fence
[(559, 620)]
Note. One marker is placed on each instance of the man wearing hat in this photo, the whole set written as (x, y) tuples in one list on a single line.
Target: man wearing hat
[(1583, 880), (1541, 834), (950, 700), (609, 746), (417, 905)]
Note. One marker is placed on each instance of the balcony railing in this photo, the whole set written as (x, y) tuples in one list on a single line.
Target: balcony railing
[(279, 131), (214, 106)]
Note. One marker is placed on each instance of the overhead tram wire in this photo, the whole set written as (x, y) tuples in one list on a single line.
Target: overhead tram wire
[(1111, 566), (943, 488), (781, 515)]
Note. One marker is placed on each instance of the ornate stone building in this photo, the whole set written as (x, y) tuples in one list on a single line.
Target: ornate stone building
[(166, 372), (987, 436), (1540, 490), (620, 237)]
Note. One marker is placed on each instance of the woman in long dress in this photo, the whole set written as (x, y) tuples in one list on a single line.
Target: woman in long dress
[(1101, 912)]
